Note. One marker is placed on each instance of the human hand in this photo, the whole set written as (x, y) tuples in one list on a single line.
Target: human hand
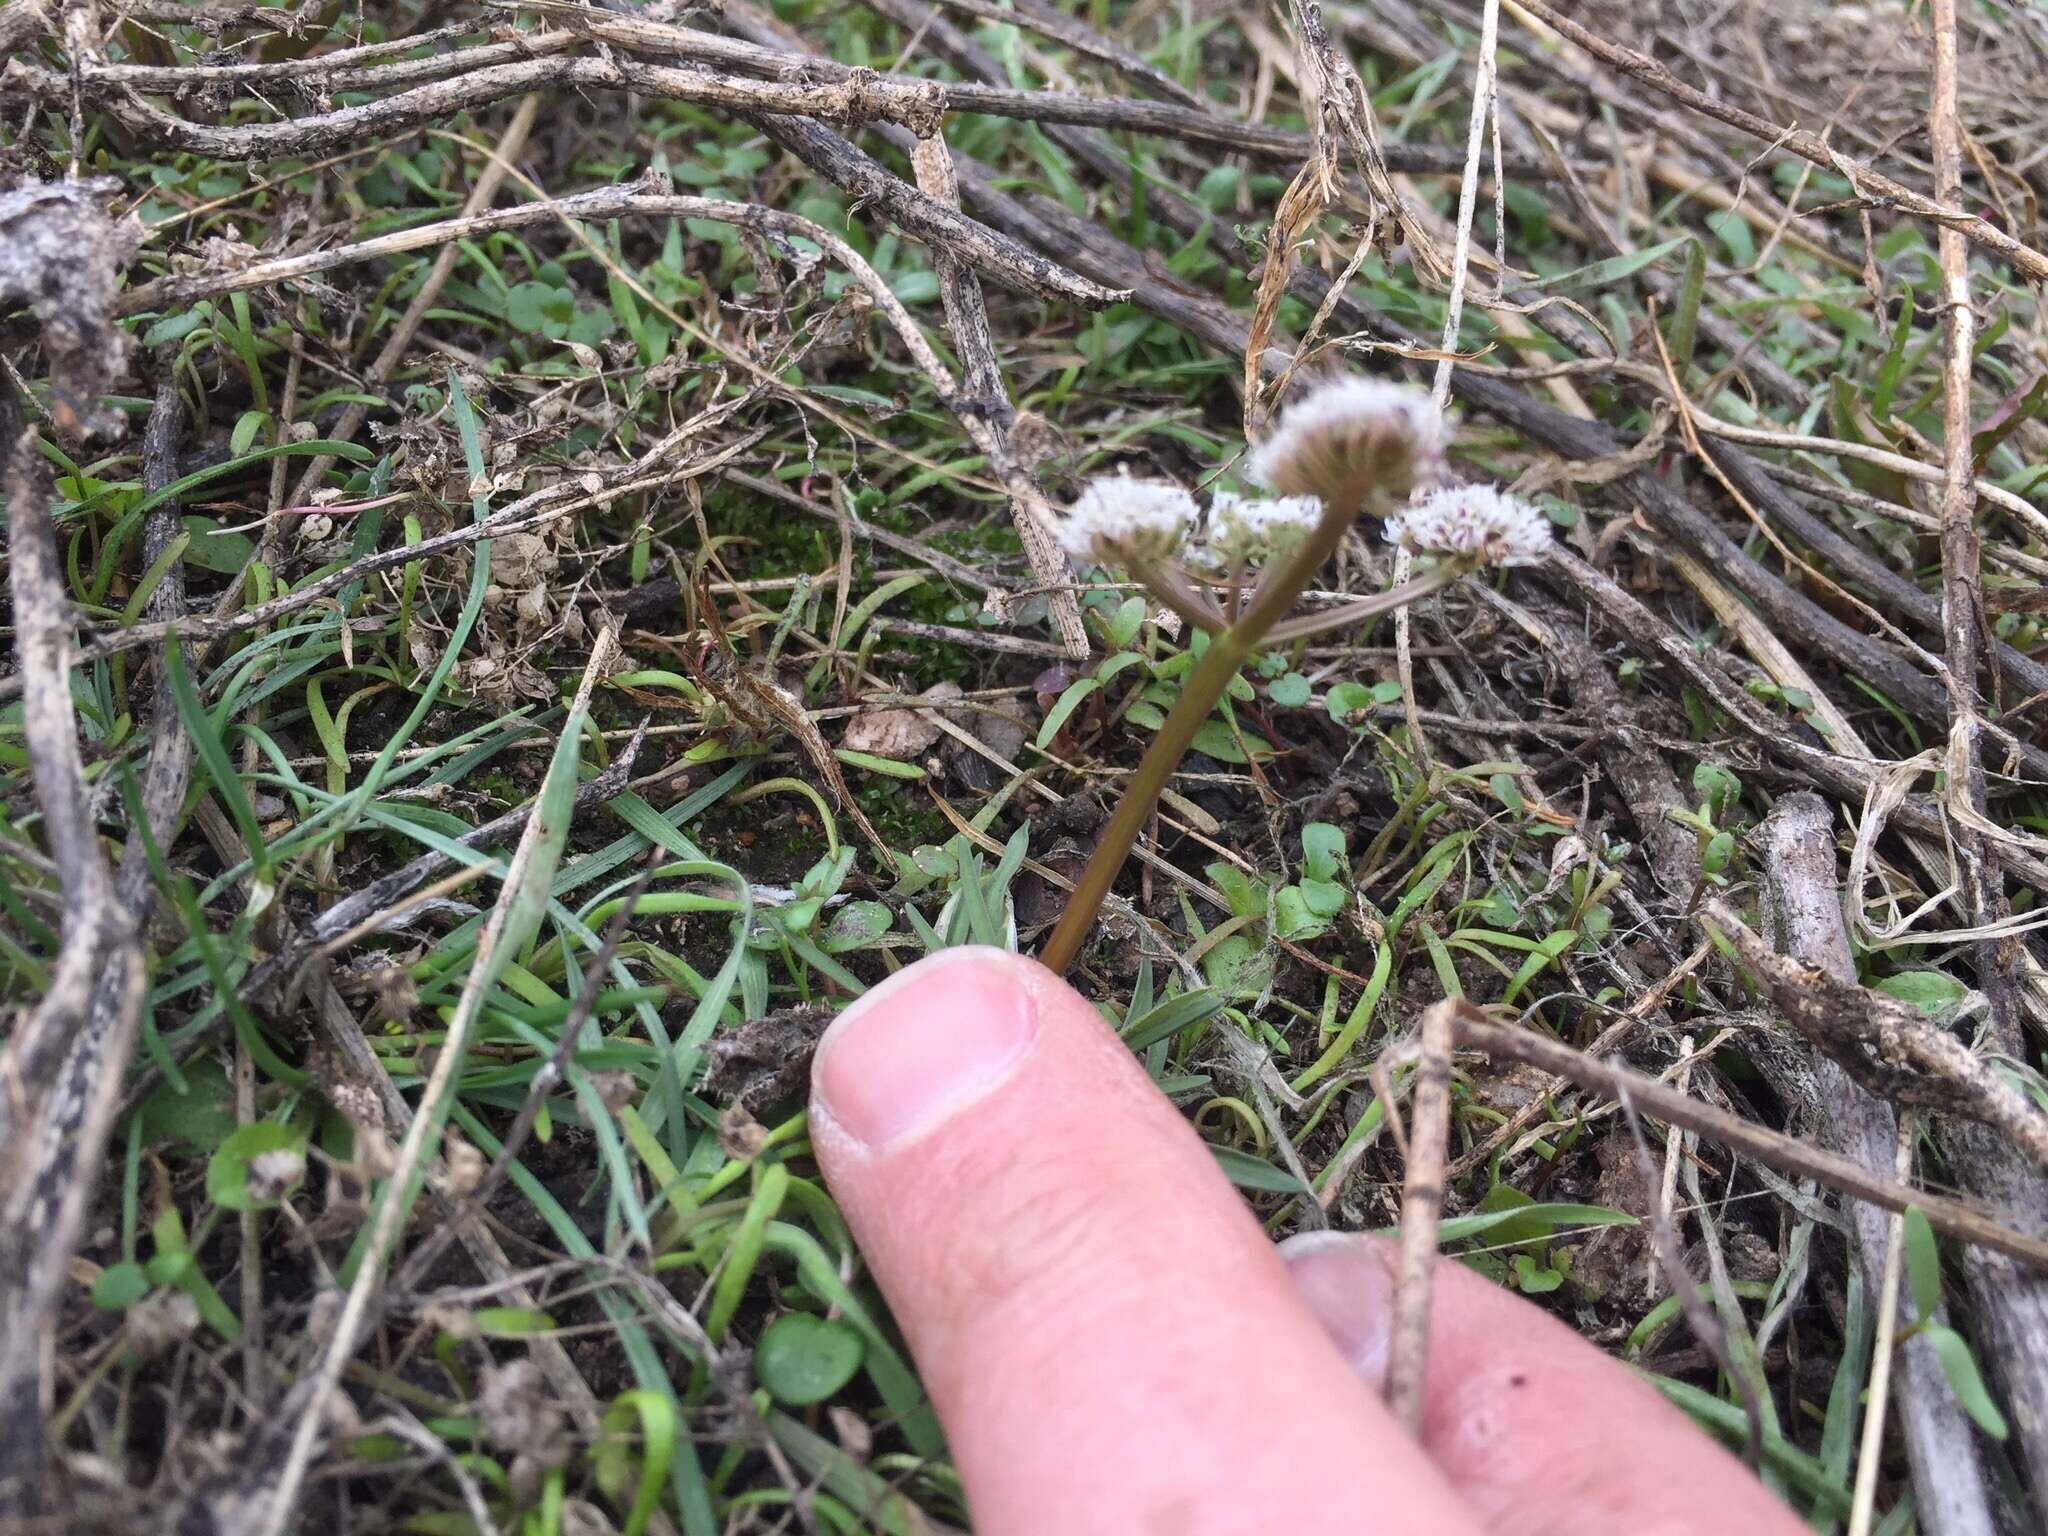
[(1113, 1345)]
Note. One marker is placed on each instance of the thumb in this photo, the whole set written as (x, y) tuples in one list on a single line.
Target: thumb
[(1111, 1342)]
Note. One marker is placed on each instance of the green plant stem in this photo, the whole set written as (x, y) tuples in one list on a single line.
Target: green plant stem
[(1311, 624), (1176, 594), (1227, 652)]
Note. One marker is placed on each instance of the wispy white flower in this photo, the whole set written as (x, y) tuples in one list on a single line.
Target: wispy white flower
[(1350, 439), (1121, 518), (1244, 530), (1475, 522)]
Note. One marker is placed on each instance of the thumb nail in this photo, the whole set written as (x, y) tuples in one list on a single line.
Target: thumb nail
[(927, 1044), (1346, 1281)]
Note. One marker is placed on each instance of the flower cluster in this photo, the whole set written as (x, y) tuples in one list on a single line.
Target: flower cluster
[(1242, 531), (1119, 518), (1352, 440), (1473, 522)]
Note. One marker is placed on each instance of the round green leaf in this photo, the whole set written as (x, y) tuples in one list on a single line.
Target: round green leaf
[(119, 1287), (532, 306), (1347, 699), (1290, 691), (804, 1359), (227, 1171)]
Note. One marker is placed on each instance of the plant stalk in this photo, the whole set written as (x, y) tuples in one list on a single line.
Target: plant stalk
[(1227, 652)]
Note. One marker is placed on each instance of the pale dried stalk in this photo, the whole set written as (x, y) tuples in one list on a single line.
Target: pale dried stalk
[(986, 413), (1805, 902), (60, 1074), (1485, 88), (1870, 1453), (1422, 1202)]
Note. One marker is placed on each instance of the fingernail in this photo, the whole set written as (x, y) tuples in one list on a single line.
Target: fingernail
[(1347, 1285), (928, 1043)]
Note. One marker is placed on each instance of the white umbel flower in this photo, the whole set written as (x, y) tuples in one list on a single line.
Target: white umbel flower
[(1245, 530), (1121, 518), (1475, 522), (1350, 439)]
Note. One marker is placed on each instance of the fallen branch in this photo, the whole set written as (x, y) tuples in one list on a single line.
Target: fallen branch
[(62, 1066), (1960, 1219), (1798, 845), (1888, 1046), (993, 254)]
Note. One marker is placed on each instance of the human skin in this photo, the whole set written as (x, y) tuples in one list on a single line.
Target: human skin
[(1114, 1346)]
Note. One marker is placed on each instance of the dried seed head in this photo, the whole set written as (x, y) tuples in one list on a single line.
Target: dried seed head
[(1351, 439), (1242, 531), (466, 1167), (274, 1174), (1119, 518), (1475, 522)]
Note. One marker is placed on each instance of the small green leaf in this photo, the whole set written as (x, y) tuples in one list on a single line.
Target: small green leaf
[(804, 1359), (1534, 1279), (1932, 992), (227, 1171), (1063, 707), (1292, 918), (1290, 692), (1323, 851), (1217, 740), (1960, 1366), (887, 767), (1171, 1017), (531, 306), (592, 324), (1345, 700), (511, 1322), (177, 327), (211, 549), (119, 1287), (1128, 619), (1323, 898), (1248, 1172), (1603, 274), (1923, 1262), (1686, 313), (1717, 788), (1719, 850), (1507, 791)]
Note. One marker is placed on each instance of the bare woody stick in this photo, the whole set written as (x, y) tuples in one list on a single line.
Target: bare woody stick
[(1798, 845), (1959, 1219), (1422, 1202)]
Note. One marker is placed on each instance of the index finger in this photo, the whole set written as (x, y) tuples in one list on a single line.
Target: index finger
[(1110, 1340)]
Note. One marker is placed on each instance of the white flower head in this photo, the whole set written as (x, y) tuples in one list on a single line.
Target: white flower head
[(1120, 518), (1350, 439), (1474, 522), (1244, 530)]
